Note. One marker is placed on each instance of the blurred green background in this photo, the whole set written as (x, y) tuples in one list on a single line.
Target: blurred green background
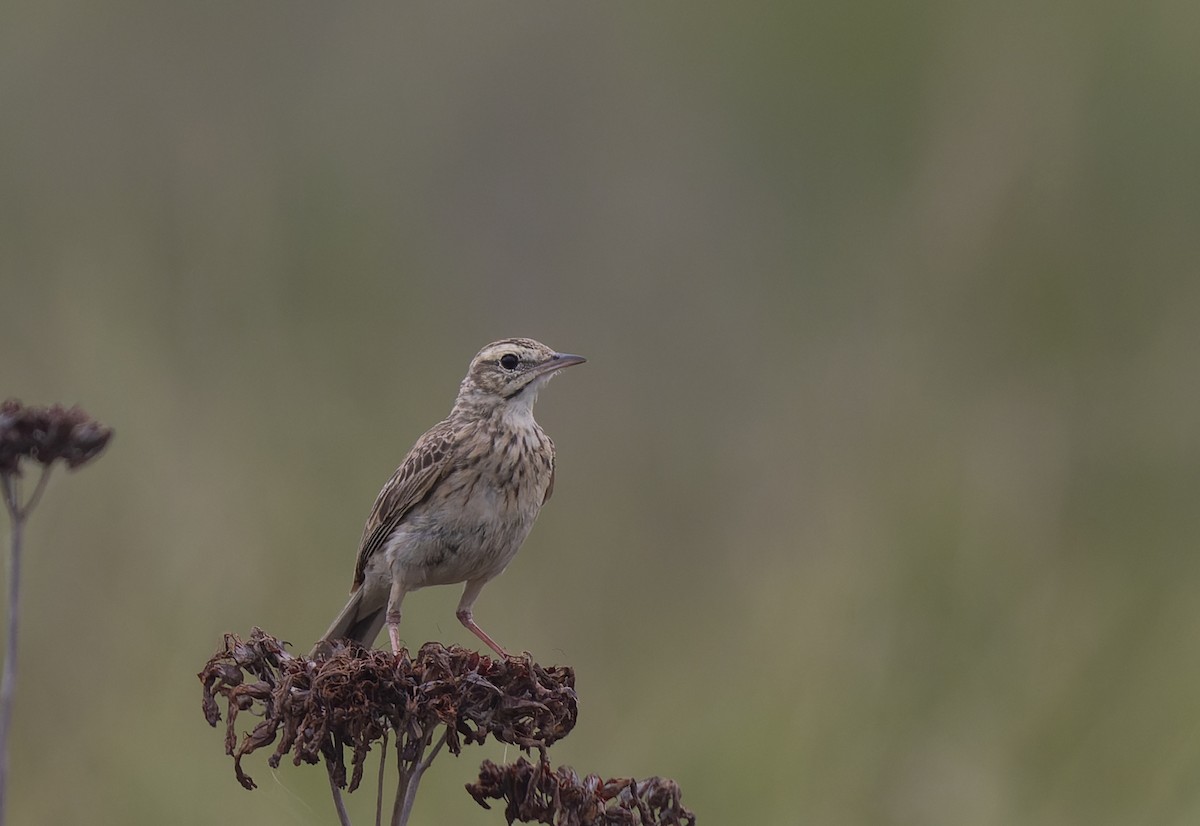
[(876, 502)]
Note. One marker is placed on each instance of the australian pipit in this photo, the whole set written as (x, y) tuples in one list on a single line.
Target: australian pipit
[(464, 498)]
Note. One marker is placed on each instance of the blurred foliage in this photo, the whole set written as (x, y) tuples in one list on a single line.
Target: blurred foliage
[(875, 502)]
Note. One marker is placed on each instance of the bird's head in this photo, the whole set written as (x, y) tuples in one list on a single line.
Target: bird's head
[(510, 372)]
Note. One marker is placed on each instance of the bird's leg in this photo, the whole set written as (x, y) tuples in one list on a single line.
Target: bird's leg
[(395, 597), (467, 618)]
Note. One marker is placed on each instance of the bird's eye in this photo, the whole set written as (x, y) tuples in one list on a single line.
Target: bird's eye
[(509, 362)]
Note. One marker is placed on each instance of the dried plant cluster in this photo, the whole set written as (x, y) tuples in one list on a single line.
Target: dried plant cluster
[(47, 434), (43, 435), (536, 794), (348, 699), (354, 697)]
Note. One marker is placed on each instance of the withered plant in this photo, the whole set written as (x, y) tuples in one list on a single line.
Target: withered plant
[(43, 436), (350, 699)]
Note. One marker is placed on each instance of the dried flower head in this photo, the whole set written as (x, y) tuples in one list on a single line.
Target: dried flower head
[(355, 696), (47, 434), (536, 794)]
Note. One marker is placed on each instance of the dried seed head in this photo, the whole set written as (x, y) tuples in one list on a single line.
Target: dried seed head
[(47, 434), (356, 695), (537, 794)]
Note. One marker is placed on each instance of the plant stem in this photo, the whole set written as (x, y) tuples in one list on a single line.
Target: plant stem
[(410, 795), (379, 786), (17, 513), (8, 680), (36, 495), (407, 794), (401, 783), (338, 803)]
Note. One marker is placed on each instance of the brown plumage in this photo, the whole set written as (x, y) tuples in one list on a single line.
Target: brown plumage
[(464, 498)]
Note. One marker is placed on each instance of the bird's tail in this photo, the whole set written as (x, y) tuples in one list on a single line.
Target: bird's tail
[(354, 623)]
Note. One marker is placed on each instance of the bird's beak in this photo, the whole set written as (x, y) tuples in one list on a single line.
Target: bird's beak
[(558, 362), (567, 360)]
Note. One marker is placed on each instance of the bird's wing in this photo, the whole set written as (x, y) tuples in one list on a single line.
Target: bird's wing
[(425, 464), (550, 487)]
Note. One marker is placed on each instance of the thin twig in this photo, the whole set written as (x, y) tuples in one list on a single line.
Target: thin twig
[(37, 492), (410, 794), (401, 782), (338, 803), (8, 680), (10, 493), (379, 789), (437, 747)]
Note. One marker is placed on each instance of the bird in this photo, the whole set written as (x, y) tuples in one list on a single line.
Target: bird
[(462, 502)]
